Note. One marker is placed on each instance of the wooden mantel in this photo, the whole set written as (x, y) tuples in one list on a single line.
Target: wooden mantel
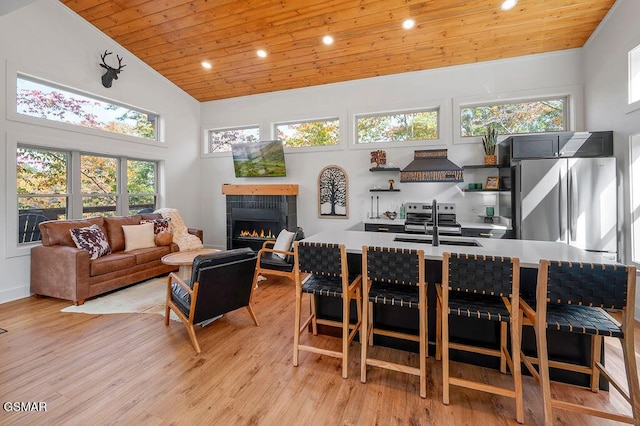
[(286, 189)]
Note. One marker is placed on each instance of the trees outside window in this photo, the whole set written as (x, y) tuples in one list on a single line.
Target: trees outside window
[(309, 133), (44, 100), (220, 140), (44, 184), (397, 126), (534, 116)]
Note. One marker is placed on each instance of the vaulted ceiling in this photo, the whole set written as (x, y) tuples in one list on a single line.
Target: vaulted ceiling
[(175, 36)]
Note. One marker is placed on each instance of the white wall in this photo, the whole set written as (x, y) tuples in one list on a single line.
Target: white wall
[(47, 40), (606, 99), (523, 77)]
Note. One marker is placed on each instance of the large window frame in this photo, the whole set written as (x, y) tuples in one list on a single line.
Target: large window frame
[(208, 149), (276, 134), (574, 110), (12, 110), (398, 142), (75, 194), (634, 198)]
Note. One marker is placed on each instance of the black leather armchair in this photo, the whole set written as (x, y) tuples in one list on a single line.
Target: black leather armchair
[(220, 282)]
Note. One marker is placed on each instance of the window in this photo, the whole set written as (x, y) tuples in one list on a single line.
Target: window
[(220, 140), (141, 185), (309, 133), (533, 116), (99, 187), (43, 192), (634, 161), (397, 126), (44, 100), (634, 75)]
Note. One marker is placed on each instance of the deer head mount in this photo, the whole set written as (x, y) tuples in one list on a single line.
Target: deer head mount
[(112, 73)]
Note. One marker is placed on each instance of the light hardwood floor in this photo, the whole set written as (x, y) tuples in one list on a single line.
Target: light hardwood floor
[(131, 369)]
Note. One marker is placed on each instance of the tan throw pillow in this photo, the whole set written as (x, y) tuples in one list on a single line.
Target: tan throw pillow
[(164, 239), (283, 242), (138, 236)]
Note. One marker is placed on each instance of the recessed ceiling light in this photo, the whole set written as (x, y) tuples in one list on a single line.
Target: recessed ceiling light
[(206, 65), (261, 53), (327, 40), (408, 24), (508, 4)]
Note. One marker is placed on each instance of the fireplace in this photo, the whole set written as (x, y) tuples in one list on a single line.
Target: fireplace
[(253, 227), (254, 219)]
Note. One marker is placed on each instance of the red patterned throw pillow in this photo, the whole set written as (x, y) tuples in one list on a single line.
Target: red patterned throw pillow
[(91, 239)]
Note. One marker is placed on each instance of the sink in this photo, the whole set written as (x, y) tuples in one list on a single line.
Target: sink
[(443, 242)]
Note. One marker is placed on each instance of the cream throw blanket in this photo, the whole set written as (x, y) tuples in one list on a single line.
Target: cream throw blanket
[(181, 235)]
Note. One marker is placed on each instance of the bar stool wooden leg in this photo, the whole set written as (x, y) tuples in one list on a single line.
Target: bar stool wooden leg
[(438, 332), (346, 302), (503, 344), (629, 354), (596, 346), (423, 342), (364, 332), (314, 321), (296, 332), (445, 354), (516, 368)]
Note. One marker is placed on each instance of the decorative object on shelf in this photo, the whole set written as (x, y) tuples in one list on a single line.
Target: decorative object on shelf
[(402, 211), (391, 182), (379, 158), (489, 142), (493, 182), (112, 73), (333, 193), (431, 165), (489, 211), (391, 215)]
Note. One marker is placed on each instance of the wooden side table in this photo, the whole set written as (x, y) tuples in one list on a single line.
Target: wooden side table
[(185, 260)]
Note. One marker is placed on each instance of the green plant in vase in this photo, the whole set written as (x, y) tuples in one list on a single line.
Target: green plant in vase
[(489, 142)]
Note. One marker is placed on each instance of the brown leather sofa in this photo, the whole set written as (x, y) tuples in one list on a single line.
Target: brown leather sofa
[(59, 269)]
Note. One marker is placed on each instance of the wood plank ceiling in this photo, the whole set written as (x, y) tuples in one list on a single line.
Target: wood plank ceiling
[(175, 36)]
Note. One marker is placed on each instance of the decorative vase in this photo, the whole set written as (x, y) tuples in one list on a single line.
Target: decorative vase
[(490, 160)]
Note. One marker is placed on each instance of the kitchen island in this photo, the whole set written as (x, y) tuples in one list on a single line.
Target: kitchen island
[(565, 346)]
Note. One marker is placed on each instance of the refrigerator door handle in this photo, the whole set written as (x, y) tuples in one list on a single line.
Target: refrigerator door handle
[(573, 204)]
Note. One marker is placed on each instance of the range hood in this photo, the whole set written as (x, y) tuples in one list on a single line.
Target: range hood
[(431, 165)]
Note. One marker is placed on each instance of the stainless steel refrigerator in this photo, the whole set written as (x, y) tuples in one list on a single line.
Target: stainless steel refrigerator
[(572, 200)]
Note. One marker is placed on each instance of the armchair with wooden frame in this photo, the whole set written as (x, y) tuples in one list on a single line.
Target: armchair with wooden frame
[(220, 282), (276, 261)]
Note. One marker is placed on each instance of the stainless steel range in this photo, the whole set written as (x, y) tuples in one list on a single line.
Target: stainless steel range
[(419, 219)]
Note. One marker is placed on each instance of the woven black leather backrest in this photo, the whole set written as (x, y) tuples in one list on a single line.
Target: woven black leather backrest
[(587, 284), (320, 258), (392, 265), (480, 274)]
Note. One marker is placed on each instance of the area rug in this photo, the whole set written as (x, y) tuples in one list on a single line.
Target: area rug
[(145, 298)]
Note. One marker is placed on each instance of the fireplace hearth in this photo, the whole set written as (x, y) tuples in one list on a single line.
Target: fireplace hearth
[(254, 219)]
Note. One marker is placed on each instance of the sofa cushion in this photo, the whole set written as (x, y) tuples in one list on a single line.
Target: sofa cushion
[(56, 232), (138, 236), (147, 255), (159, 225), (91, 239), (115, 234), (163, 239), (113, 262)]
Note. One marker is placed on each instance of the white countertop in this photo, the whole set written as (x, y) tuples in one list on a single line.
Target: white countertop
[(529, 252)]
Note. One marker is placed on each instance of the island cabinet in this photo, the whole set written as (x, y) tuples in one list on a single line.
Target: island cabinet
[(569, 347), (480, 232), (379, 227)]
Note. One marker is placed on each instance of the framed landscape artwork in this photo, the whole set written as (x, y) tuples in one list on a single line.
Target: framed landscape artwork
[(333, 193)]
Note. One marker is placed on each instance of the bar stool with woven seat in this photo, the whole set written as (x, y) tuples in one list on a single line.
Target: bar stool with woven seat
[(574, 298), (328, 275), (484, 288), (394, 277)]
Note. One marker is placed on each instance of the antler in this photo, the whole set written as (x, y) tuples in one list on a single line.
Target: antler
[(109, 67)]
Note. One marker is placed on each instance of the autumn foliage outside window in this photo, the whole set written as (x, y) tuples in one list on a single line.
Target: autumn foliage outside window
[(309, 133), (43, 100), (533, 116), (397, 126)]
